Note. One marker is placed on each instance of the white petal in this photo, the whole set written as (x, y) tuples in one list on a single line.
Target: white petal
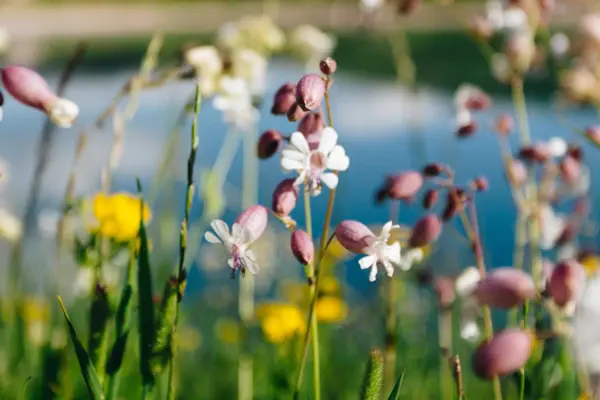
[(221, 229), (392, 253), (250, 255), (299, 141), (385, 231), (373, 274), (251, 265), (414, 255), (330, 180), (230, 262), (467, 281), (338, 160), (389, 268), (292, 153), (221, 103), (236, 232), (247, 237), (289, 164), (211, 238), (300, 179), (469, 330), (329, 138), (63, 113), (366, 261), (557, 146)]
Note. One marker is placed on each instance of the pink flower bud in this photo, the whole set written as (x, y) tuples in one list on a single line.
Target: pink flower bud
[(310, 91), (466, 130), (576, 152), (504, 124), (302, 247), (294, 113), (480, 184), (433, 170), (354, 236), (311, 123), (517, 173), (425, 231), (254, 218), (285, 197), (444, 289), (268, 143), (284, 98), (568, 234), (404, 186), (505, 288), (570, 170), (328, 66), (566, 282), (539, 153), (593, 134), (431, 197), (31, 89), (506, 352), (454, 203)]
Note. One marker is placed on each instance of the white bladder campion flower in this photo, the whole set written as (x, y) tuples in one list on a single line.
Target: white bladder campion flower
[(312, 165), (252, 67), (311, 43), (236, 242), (381, 254), (235, 102), (208, 64)]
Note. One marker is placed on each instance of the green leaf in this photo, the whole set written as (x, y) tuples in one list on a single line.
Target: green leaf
[(87, 369), (146, 305), (161, 351), (395, 394), (373, 380), (100, 313)]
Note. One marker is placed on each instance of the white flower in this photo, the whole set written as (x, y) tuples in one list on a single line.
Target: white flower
[(469, 330), (586, 325), (235, 101), (380, 254), (409, 258), (557, 147), (500, 67), (312, 164), (63, 113), (515, 19), (252, 67), (552, 226), (495, 14), (311, 43), (236, 243), (10, 226), (559, 44), (370, 5), (579, 188), (466, 283), (208, 64)]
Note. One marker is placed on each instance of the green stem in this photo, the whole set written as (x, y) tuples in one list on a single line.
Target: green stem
[(181, 275), (391, 321)]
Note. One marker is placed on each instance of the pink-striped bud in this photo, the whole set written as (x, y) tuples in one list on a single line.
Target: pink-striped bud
[(310, 91), (425, 231), (284, 197), (354, 236), (328, 66), (455, 200), (295, 112), (505, 288), (566, 282), (254, 219), (480, 184), (268, 144), (593, 134), (570, 170), (575, 151), (539, 153), (505, 353), (311, 124), (433, 170), (31, 89), (302, 246), (404, 186), (430, 198), (466, 130), (284, 98), (516, 173)]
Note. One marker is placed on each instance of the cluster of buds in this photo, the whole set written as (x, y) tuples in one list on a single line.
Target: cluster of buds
[(467, 100)]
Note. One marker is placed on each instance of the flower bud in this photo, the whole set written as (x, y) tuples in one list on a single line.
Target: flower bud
[(433, 170), (516, 173), (505, 353), (406, 7), (328, 66), (294, 113), (504, 124), (354, 236), (593, 134), (254, 219), (566, 282), (576, 152), (505, 288), (430, 198), (302, 246), (311, 123), (285, 197), (29, 88), (310, 91), (480, 184), (284, 98), (404, 186), (539, 153), (444, 289), (454, 203), (425, 231), (268, 143), (570, 170), (466, 130), (568, 233), (520, 51)]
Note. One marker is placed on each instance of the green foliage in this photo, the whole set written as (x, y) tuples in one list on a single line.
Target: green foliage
[(373, 380)]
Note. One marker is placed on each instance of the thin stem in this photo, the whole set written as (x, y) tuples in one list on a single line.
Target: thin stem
[(183, 234), (391, 320)]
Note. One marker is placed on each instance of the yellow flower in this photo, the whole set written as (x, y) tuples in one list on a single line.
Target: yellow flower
[(329, 285), (118, 215), (281, 322), (331, 309), (35, 309), (227, 330), (591, 264)]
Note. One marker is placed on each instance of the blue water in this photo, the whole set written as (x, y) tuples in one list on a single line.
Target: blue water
[(384, 128)]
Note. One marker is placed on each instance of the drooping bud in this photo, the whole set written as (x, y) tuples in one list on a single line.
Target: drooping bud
[(354, 236), (425, 231), (538, 152), (284, 98), (454, 203), (480, 184), (505, 288), (254, 219), (566, 282), (311, 123), (504, 124), (593, 134), (302, 247), (430, 198), (328, 66), (31, 89), (517, 173), (507, 352), (576, 152), (268, 143), (310, 91), (295, 112), (404, 186), (285, 197), (570, 170), (433, 170)]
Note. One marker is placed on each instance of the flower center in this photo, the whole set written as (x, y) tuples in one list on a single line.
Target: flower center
[(318, 160)]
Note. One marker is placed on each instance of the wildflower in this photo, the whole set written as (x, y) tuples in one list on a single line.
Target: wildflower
[(481, 28), (403, 186), (284, 98), (235, 101), (208, 64), (500, 67), (433, 170), (559, 44), (506, 352), (312, 164), (268, 143), (552, 227), (505, 288), (117, 216), (281, 322), (310, 43), (570, 170), (302, 247), (480, 184), (425, 231), (466, 283), (557, 147), (285, 197), (11, 227), (31, 89), (566, 282), (470, 97), (252, 67), (331, 309), (328, 66), (516, 173), (310, 91), (312, 124), (590, 26), (258, 33), (295, 112)]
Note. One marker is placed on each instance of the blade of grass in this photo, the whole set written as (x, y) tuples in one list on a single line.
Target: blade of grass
[(395, 394), (85, 364), (373, 380)]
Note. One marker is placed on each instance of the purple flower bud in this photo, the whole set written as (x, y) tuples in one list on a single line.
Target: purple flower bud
[(404, 186), (576, 152), (570, 170), (593, 134), (431, 197), (566, 282), (254, 218), (284, 98), (480, 184), (285, 197), (310, 91), (268, 143), (328, 66), (444, 289), (539, 153), (517, 173), (433, 170), (354, 236), (505, 287), (311, 123), (454, 203), (506, 352), (294, 113), (302, 247), (466, 130), (425, 231)]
